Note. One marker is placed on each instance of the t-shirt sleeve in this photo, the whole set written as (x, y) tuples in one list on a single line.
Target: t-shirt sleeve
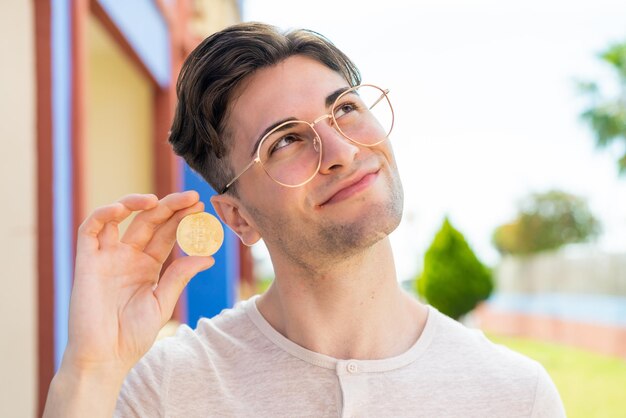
[(547, 403), (145, 389)]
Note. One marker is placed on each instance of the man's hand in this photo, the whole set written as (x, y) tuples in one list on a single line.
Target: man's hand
[(118, 302)]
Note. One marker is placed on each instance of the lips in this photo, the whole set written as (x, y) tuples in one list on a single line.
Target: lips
[(353, 185)]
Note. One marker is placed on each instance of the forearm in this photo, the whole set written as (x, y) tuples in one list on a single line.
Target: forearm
[(79, 394)]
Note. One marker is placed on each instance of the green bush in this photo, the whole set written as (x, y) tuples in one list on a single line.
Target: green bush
[(453, 279)]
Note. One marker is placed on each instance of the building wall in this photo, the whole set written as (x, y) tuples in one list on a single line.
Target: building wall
[(119, 123), (18, 211), (209, 16), (116, 155)]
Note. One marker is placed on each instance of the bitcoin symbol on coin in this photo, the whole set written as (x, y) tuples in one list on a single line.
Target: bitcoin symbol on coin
[(200, 234)]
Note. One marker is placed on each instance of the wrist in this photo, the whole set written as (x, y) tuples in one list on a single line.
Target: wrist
[(73, 374), (78, 367), (78, 392)]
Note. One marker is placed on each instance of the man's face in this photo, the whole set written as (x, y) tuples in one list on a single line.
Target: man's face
[(353, 202)]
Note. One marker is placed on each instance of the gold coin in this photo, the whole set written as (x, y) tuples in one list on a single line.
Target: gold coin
[(200, 234)]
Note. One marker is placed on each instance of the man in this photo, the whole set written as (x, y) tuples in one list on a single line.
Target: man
[(299, 148)]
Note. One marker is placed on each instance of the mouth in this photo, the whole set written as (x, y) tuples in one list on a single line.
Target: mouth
[(352, 187)]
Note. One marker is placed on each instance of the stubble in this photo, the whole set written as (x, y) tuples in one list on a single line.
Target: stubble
[(315, 247)]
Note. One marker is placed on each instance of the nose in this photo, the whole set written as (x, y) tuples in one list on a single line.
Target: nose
[(337, 151)]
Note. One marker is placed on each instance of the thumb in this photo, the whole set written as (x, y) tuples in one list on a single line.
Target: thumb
[(174, 280)]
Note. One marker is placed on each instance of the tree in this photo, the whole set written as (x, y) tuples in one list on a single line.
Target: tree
[(453, 279), (546, 221), (607, 115)]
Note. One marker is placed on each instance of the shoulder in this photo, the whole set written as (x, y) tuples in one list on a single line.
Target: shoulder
[(498, 374), (471, 346)]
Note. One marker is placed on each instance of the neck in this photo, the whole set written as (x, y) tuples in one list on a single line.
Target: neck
[(352, 309)]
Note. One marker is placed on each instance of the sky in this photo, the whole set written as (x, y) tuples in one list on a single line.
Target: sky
[(487, 109)]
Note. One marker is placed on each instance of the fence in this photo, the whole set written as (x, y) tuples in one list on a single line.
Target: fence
[(563, 272), (567, 297)]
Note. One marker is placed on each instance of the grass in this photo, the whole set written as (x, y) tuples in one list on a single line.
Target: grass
[(591, 385)]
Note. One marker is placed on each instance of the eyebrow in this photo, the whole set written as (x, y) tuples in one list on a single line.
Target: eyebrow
[(330, 99)]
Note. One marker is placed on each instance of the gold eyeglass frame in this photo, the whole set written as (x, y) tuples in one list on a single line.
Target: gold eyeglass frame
[(317, 142)]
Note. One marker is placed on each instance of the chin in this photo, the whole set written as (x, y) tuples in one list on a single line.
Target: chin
[(377, 219), (339, 237)]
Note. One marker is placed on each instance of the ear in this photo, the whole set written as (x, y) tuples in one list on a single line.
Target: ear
[(228, 209)]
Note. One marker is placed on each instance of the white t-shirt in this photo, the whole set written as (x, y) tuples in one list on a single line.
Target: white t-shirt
[(237, 365)]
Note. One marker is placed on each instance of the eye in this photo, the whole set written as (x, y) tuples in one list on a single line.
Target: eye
[(345, 108), (282, 142)]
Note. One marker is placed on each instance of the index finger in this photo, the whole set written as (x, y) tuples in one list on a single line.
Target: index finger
[(115, 213), (142, 229)]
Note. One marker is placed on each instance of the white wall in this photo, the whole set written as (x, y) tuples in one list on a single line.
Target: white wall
[(18, 277)]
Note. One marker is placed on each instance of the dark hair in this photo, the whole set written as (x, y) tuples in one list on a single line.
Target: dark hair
[(210, 76)]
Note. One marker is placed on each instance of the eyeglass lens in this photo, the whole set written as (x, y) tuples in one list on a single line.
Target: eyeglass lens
[(290, 154)]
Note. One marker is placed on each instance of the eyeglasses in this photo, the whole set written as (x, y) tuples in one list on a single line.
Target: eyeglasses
[(291, 153)]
